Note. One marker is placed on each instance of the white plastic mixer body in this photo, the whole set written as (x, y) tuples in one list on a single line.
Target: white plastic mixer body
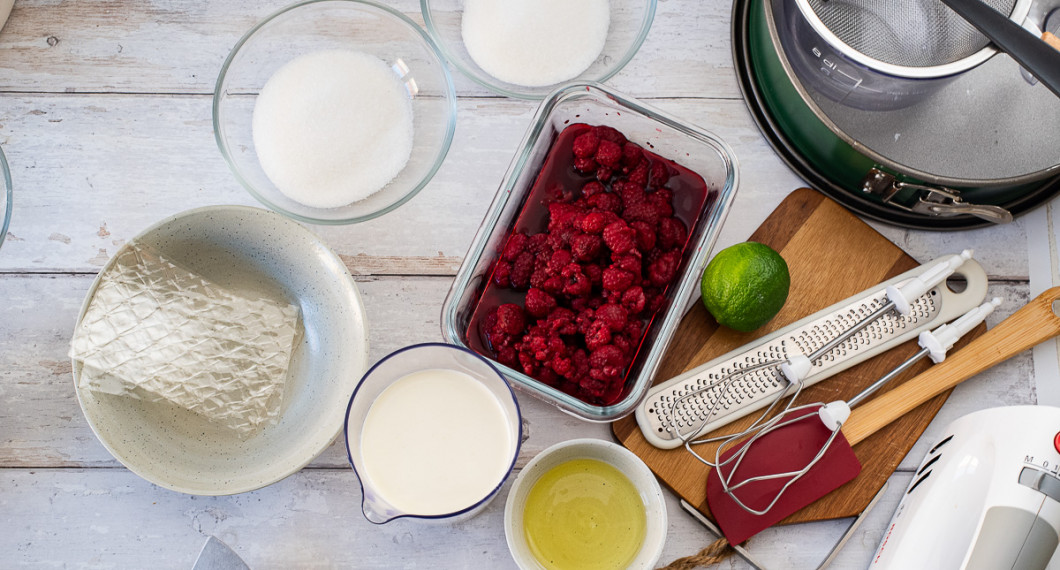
[(986, 497)]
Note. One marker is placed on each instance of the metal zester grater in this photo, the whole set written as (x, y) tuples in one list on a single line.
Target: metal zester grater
[(726, 394)]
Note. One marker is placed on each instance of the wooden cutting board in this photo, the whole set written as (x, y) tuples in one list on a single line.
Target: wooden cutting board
[(831, 255)]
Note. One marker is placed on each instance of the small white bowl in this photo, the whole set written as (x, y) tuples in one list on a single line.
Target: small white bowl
[(250, 250), (621, 458)]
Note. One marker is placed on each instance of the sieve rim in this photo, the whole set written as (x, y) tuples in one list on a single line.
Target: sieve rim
[(1018, 15)]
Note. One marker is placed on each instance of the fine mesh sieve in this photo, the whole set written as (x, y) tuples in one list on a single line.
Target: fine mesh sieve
[(906, 33)]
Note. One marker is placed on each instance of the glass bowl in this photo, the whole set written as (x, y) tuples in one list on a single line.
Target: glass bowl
[(434, 429), (668, 137), (630, 22), (355, 25), (6, 204), (600, 450)]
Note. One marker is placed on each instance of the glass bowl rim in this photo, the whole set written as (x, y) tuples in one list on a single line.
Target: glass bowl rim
[(447, 139), (518, 436), (536, 93), (5, 223)]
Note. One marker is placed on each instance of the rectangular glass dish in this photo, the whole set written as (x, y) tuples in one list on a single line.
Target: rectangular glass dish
[(689, 146)]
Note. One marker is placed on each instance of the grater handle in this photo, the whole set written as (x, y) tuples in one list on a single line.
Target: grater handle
[(1034, 323)]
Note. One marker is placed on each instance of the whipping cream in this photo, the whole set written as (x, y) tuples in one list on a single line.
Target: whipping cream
[(535, 42), (436, 442), (332, 127)]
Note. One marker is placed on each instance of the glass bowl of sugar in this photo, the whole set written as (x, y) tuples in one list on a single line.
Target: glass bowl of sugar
[(334, 111), (524, 48)]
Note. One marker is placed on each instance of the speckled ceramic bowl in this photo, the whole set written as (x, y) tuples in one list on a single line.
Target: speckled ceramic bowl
[(257, 252)]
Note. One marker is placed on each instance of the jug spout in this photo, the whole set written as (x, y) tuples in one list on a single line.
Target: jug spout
[(376, 510)]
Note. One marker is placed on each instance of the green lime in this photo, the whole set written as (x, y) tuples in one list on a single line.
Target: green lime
[(745, 285)]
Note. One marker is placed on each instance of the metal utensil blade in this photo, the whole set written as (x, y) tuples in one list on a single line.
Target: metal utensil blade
[(217, 555)]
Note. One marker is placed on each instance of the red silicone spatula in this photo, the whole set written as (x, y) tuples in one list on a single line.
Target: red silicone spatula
[(781, 450)]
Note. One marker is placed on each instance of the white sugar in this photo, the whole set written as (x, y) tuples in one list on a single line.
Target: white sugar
[(332, 127), (535, 42)]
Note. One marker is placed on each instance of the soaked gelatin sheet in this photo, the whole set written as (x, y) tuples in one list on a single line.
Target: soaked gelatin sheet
[(160, 333)]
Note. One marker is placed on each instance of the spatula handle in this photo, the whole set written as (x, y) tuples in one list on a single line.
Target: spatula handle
[(1034, 323)]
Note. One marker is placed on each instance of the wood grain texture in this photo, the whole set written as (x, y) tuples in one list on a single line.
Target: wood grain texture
[(798, 229), (117, 46)]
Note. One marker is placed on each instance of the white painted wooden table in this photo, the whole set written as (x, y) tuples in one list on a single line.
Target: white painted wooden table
[(105, 119)]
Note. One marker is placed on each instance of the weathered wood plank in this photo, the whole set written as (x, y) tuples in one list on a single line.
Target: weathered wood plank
[(105, 518), (92, 171), (44, 426), (117, 46)]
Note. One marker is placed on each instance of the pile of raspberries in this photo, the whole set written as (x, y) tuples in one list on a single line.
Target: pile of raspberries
[(595, 277)]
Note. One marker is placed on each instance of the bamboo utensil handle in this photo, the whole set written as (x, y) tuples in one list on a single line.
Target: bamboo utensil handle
[(1032, 324), (1051, 39)]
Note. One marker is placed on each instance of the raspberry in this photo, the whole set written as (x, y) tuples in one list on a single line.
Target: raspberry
[(608, 202), (510, 319), (585, 144), (610, 134), (654, 300), (662, 200), (633, 299), (563, 215), (539, 303), (614, 315), (553, 285), (631, 193), (620, 237), (585, 246), (633, 330), (561, 321), (522, 267), (593, 188), (594, 272), (645, 235), (540, 275), (575, 282), (660, 174), (502, 274), (607, 359), (639, 174), (672, 233), (608, 154), (508, 356), (599, 335), (515, 245), (642, 211), (631, 154), (663, 270), (628, 262), (603, 173), (623, 344), (561, 366), (595, 222), (560, 259), (536, 243), (617, 279), (585, 165)]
